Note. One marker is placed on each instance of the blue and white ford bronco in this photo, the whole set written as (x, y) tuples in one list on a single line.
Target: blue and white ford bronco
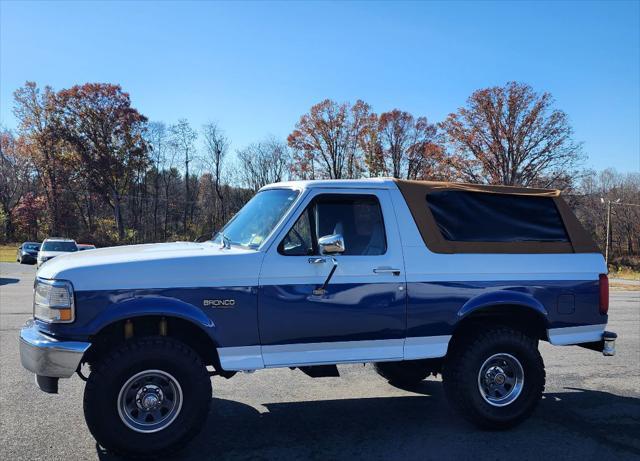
[(417, 278)]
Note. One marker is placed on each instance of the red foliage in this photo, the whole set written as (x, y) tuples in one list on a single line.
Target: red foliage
[(29, 213)]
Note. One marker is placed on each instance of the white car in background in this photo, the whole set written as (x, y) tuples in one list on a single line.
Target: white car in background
[(55, 246)]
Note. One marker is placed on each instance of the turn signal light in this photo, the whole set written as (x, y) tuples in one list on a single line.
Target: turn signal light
[(65, 315)]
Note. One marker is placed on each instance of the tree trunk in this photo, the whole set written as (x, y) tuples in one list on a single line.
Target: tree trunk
[(8, 227), (221, 201), (156, 195), (166, 211), (118, 215), (187, 198)]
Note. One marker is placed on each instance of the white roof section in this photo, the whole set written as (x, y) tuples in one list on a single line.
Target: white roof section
[(368, 183)]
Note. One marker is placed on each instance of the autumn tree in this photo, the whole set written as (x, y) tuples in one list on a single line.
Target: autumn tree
[(15, 173), (264, 163), (408, 145), (36, 113), (326, 140), (106, 134), (627, 213), (183, 139), (28, 214), (370, 143), (157, 139), (512, 135), (216, 147)]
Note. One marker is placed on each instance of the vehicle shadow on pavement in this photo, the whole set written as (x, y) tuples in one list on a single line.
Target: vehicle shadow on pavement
[(603, 417), (7, 281), (417, 426)]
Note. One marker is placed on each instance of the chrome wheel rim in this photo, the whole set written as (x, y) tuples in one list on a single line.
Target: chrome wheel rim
[(501, 379), (150, 401)]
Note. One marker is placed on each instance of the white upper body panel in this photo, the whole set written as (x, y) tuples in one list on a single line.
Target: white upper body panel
[(185, 264), (159, 265)]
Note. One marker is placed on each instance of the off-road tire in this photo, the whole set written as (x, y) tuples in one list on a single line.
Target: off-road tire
[(404, 373), (462, 366), (110, 373)]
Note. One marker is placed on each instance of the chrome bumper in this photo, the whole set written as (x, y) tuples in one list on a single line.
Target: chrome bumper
[(47, 356), (609, 343), (606, 344)]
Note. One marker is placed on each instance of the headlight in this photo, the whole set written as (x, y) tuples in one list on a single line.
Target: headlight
[(53, 301)]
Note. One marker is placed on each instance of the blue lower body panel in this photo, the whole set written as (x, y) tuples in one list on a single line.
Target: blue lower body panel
[(347, 312), (293, 314), (434, 308)]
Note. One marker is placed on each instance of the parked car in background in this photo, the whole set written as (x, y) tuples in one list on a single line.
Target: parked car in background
[(28, 253), (85, 246), (53, 247)]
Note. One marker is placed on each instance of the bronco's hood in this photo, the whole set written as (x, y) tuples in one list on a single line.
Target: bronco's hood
[(158, 265)]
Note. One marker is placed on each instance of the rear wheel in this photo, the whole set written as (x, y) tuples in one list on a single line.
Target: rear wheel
[(149, 396), (495, 378)]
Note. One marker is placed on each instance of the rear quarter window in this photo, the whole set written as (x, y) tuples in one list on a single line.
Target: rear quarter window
[(463, 216)]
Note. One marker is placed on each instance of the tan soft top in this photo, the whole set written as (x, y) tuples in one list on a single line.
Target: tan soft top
[(430, 186), (415, 193)]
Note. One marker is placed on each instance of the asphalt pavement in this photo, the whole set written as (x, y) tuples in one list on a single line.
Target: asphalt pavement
[(590, 410)]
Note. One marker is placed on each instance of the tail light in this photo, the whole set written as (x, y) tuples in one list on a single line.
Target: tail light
[(604, 294)]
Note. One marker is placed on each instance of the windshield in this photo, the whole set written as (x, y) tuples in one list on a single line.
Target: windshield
[(59, 246), (255, 221), (31, 246)]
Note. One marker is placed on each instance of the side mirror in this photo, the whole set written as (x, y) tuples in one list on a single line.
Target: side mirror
[(331, 244)]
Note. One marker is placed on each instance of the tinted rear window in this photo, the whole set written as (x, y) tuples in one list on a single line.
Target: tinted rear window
[(483, 217)]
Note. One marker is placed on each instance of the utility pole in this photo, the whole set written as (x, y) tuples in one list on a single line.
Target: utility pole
[(606, 250)]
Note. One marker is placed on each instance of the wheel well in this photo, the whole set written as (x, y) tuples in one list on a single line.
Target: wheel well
[(118, 332), (517, 317)]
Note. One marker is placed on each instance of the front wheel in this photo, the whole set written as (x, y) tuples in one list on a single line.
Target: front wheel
[(148, 397), (495, 378)]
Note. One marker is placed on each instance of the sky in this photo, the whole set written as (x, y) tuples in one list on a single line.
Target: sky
[(255, 68)]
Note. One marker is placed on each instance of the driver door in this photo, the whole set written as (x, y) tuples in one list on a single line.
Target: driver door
[(361, 313)]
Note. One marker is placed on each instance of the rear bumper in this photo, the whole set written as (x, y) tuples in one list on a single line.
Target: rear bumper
[(606, 345), (593, 337), (49, 357)]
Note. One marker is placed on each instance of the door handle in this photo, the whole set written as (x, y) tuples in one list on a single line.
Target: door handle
[(317, 260), (386, 270)]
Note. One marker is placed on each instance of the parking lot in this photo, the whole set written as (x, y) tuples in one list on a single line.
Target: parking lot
[(590, 410)]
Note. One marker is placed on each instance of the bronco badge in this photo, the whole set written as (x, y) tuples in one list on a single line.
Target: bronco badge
[(219, 302)]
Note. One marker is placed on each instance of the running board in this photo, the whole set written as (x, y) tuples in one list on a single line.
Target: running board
[(321, 371)]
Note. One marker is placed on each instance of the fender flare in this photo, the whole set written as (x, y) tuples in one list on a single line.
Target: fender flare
[(152, 306), (503, 298)]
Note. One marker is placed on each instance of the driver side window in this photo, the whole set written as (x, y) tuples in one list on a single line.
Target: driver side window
[(358, 218)]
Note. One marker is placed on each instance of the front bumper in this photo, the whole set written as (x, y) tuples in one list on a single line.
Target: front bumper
[(49, 357), (41, 261), (27, 258)]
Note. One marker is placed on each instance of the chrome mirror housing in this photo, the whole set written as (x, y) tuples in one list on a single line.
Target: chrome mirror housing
[(331, 244)]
